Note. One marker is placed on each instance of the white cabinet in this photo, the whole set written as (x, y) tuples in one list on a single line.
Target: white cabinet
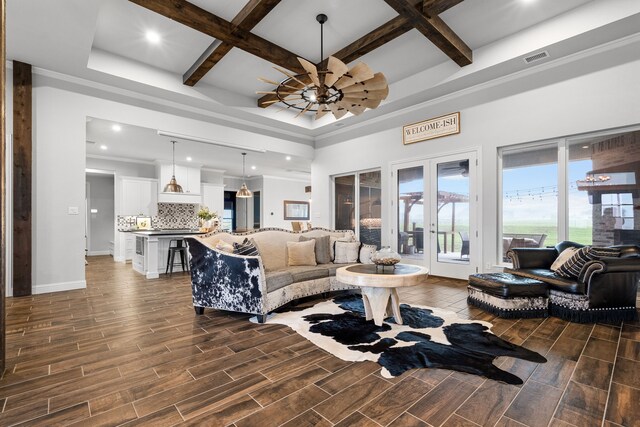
[(139, 196), (125, 247), (213, 197), (188, 177)]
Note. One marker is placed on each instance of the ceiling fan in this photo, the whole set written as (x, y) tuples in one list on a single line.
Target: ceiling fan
[(337, 89)]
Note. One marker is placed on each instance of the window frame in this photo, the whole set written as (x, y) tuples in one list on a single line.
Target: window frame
[(562, 146)]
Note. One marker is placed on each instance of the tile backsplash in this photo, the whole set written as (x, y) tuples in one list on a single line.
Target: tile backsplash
[(170, 216), (176, 215)]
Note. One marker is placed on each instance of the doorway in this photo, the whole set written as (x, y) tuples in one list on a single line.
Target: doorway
[(435, 214), (100, 212)]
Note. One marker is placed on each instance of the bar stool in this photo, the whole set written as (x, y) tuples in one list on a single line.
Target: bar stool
[(176, 245)]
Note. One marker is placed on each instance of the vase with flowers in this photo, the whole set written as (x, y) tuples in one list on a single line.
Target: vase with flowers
[(208, 220)]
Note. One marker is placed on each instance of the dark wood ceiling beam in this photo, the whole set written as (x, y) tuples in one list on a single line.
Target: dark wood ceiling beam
[(201, 20), (436, 7), (250, 15), (378, 37), (436, 31)]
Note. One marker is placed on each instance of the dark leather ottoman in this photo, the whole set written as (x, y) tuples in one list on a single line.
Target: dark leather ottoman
[(507, 295)]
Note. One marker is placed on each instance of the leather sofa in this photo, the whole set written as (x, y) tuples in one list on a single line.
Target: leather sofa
[(604, 291), (260, 284)]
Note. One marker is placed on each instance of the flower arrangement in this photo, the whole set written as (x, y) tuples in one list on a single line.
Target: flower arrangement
[(206, 215), (208, 220)]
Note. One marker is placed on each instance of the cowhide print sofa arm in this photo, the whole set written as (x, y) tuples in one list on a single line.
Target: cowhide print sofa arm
[(226, 281)]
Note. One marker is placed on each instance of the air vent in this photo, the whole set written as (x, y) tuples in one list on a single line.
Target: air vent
[(90, 142), (536, 57)]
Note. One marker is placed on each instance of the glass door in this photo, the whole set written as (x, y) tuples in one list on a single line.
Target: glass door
[(452, 202), (435, 214)]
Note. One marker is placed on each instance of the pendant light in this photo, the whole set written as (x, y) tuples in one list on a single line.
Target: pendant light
[(243, 192), (173, 186)]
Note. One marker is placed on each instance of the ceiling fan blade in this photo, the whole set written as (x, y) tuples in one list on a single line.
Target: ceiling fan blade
[(375, 94), (359, 73), (336, 69), (367, 102), (271, 82), (336, 111), (376, 84), (290, 75), (309, 105), (311, 69), (321, 111), (357, 110)]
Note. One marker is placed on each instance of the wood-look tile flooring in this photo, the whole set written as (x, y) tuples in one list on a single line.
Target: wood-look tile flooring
[(130, 351)]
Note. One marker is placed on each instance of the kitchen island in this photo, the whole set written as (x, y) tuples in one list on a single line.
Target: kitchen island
[(152, 247)]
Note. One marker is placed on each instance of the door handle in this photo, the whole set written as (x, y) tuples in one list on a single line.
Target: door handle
[(433, 232)]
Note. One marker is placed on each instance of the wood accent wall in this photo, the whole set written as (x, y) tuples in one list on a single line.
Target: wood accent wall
[(22, 173), (3, 182)]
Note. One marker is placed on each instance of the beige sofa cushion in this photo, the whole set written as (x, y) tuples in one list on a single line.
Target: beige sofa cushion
[(346, 252), (301, 253)]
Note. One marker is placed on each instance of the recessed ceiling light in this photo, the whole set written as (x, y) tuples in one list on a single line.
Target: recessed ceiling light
[(116, 128), (152, 37), (189, 158), (103, 147), (585, 146), (288, 157), (253, 168)]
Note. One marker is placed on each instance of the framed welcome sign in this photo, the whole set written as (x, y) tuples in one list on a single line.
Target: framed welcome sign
[(432, 128)]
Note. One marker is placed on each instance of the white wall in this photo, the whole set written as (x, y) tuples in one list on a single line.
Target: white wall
[(600, 100), (59, 135), (123, 168), (274, 192), (101, 224)]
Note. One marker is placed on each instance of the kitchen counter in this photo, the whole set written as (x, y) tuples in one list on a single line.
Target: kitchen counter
[(167, 232), (152, 247)]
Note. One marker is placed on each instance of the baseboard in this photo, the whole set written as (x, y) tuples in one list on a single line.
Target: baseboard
[(59, 287), (98, 253), (119, 259)]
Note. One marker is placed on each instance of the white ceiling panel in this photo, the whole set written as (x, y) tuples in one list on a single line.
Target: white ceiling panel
[(121, 30)]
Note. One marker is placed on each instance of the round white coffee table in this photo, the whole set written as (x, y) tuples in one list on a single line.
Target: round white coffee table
[(379, 286)]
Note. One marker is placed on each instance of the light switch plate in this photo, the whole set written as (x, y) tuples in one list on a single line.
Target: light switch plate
[(73, 210)]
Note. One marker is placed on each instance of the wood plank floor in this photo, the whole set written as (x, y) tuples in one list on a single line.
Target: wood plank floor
[(130, 351)]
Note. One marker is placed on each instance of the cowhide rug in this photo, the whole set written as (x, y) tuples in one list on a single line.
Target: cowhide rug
[(429, 338)]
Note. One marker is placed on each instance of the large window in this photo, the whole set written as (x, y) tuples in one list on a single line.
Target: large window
[(359, 196), (583, 189), (529, 197)]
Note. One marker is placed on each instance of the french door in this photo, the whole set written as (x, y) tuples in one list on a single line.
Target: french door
[(435, 214)]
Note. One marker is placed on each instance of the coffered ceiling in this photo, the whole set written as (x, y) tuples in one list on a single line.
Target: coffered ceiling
[(103, 41)]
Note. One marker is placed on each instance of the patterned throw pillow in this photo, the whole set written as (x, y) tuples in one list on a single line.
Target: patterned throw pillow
[(573, 266), (247, 248), (562, 258)]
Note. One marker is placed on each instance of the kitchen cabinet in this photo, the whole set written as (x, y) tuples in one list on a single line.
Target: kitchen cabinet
[(213, 198), (126, 247), (187, 176), (138, 196)]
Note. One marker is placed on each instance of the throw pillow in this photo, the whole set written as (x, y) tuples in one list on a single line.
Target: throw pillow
[(346, 252), (562, 258), (332, 244), (224, 246), (573, 266), (323, 253), (301, 253), (247, 248)]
